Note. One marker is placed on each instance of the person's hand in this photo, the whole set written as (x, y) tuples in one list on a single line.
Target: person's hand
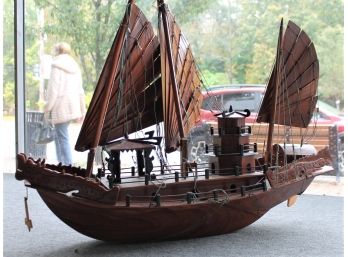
[(80, 120), (46, 116)]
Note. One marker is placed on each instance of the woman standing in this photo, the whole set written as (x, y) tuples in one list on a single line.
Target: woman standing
[(65, 99)]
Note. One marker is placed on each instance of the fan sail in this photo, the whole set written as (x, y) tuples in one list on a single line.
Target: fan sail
[(296, 82), (127, 97), (187, 80), (136, 88)]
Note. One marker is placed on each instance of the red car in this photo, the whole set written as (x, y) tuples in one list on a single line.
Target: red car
[(247, 96), (239, 97)]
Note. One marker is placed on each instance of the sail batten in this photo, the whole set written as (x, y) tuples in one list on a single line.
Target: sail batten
[(187, 79), (298, 81), (310, 74), (133, 84), (136, 98)]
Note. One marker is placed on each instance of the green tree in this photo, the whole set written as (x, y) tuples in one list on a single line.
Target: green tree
[(246, 52), (8, 41), (31, 57), (233, 41), (89, 26), (322, 21)]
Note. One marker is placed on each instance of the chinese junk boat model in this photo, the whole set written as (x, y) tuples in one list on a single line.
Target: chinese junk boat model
[(147, 80)]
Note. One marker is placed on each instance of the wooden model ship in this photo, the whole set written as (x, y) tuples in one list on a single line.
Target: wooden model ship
[(149, 79)]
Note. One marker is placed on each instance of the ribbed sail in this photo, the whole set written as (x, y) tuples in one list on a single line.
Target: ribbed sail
[(132, 69), (299, 74), (187, 79)]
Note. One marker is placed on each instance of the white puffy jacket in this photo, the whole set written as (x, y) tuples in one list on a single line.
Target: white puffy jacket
[(65, 95)]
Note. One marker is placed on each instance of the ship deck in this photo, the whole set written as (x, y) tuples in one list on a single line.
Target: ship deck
[(166, 189)]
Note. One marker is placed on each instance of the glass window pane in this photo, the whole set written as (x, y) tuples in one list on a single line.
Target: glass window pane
[(8, 144), (241, 101)]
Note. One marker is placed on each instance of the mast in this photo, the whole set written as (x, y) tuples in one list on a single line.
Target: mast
[(108, 91), (183, 140), (161, 7), (180, 80), (275, 94)]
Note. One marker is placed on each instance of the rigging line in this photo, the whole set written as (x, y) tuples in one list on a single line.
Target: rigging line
[(167, 31), (260, 105), (131, 82), (123, 84), (137, 123), (279, 101), (140, 113), (160, 132), (285, 126), (137, 120), (192, 82), (141, 34), (284, 91), (122, 77), (295, 65), (145, 74), (161, 184), (288, 52), (315, 119), (120, 121), (178, 56), (279, 116), (183, 89), (280, 138), (124, 102), (258, 134), (154, 4), (160, 156), (267, 83), (118, 97), (287, 102), (194, 170), (298, 90), (189, 104), (276, 120), (188, 63), (208, 90), (299, 77), (214, 102), (158, 126)]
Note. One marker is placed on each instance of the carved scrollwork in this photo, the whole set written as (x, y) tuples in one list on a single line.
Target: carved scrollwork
[(296, 171), (63, 180)]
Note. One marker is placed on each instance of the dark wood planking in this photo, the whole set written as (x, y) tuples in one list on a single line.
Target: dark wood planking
[(296, 81), (134, 224), (141, 48), (299, 81), (297, 51), (134, 90), (185, 76)]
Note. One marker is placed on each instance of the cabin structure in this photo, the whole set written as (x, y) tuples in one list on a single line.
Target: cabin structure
[(233, 152)]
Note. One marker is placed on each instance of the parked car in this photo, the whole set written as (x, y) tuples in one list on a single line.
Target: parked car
[(326, 128), (239, 97)]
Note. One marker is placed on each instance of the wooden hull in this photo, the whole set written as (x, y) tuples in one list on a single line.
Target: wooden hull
[(220, 204), (133, 224)]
